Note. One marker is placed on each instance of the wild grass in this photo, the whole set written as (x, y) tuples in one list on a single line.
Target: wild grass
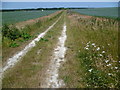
[(14, 39), (29, 71), (92, 54)]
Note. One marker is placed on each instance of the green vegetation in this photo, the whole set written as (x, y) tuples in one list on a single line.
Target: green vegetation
[(92, 54), (13, 44), (14, 39), (106, 12), (11, 32), (91, 57), (18, 16), (29, 71)]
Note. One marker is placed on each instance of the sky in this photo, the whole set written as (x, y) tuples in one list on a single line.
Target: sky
[(26, 4), (60, 0)]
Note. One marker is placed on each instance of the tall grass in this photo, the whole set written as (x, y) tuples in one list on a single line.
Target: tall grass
[(92, 55)]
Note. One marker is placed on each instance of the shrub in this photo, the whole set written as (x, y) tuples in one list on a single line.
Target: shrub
[(26, 36), (5, 30), (14, 45), (43, 39), (14, 33), (11, 33)]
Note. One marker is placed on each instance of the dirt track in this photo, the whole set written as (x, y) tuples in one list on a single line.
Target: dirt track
[(52, 74), (51, 80)]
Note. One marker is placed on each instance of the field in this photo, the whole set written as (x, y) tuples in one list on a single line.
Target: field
[(64, 50), (105, 12), (18, 16)]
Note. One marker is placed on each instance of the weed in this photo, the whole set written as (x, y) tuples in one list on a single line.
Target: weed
[(66, 79), (13, 45), (26, 36), (21, 40), (43, 39)]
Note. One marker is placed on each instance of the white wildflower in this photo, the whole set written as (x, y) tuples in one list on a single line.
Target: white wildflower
[(116, 67), (108, 44), (109, 74), (103, 51), (100, 55), (108, 64), (93, 44), (90, 70), (86, 48), (107, 61), (88, 42), (98, 49)]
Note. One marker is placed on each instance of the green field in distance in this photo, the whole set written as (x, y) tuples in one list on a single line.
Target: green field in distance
[(18, 16), (104, 12)]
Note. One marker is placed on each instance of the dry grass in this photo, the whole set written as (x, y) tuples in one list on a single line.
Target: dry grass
[(29, 72)]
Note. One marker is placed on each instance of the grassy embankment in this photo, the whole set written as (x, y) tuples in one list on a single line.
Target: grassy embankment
[(16, 39), (29, 71), (92, 54)]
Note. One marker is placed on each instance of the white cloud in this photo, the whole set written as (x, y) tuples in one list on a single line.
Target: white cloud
[(60, 0)]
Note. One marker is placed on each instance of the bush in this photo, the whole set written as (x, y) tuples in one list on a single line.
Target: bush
[(43, 39), (11, 33), (14, 33), (14, 45), (26, 36), (5, 30)]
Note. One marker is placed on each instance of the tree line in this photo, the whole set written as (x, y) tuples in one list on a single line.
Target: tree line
[(61, 8)]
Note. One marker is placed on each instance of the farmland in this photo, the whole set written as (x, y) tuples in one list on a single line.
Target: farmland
[(18, 16), (105, 12), (66, 49)]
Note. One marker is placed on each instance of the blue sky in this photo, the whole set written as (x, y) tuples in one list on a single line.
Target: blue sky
[(60, 0), (24, 4)]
